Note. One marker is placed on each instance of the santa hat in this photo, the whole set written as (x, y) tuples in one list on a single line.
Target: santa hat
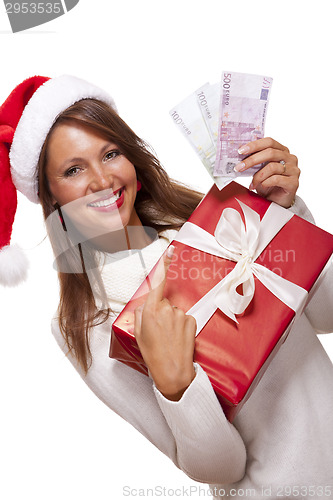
[(25, 120)]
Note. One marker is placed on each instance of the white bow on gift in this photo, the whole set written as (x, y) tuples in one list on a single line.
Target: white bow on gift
[(242, 244)]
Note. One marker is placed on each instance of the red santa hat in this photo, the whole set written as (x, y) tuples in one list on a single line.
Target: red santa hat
[(25, 120)]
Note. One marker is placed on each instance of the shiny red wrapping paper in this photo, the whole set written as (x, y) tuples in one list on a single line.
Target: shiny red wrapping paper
[(233, 355)]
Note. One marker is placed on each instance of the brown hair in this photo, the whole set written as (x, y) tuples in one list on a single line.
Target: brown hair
[(162, 203)]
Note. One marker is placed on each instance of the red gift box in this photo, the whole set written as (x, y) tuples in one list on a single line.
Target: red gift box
[(235, 353)]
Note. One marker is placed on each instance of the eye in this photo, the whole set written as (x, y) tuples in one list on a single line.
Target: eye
[(110, 155), (71, 172)]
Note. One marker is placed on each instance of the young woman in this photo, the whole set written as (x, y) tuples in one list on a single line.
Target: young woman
[(103, 192)]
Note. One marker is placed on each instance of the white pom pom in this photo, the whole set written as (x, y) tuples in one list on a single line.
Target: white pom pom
[(13, 265)]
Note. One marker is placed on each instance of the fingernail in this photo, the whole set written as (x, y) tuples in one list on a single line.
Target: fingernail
[(239, 167), (251, 186), (170, 251), (243, 150)]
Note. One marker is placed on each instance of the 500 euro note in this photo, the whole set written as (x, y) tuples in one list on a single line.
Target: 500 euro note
[(243, 106)]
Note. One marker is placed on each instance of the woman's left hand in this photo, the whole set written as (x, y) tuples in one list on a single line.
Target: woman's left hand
[(278, 180)]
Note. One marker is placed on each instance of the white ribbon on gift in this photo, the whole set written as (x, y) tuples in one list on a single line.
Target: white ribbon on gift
[(242, 244)]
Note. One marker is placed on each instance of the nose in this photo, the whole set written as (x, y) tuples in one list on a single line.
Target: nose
[(100, 178)]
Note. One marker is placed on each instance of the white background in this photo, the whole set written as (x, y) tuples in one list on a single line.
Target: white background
[(57, 439)]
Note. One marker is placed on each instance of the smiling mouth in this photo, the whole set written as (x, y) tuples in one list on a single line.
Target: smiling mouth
[(106, 202)]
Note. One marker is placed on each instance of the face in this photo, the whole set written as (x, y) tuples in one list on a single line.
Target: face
[(91, 180)]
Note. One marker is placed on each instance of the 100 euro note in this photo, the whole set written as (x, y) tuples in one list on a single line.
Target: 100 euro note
[(243, 106), (197, 118), (208, 100)]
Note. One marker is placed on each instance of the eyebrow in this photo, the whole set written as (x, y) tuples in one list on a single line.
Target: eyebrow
[(78, 159), (107, 146)]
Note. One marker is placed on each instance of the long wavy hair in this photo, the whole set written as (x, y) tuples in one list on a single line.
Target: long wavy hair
[(162, 203)]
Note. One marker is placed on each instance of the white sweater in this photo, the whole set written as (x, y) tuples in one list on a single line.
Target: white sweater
[(281, 443)]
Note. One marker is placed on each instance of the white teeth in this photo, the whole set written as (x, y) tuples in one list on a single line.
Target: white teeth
[(107, 202)]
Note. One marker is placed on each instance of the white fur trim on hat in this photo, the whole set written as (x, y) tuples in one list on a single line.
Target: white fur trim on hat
[(13, 265), (48, 101)]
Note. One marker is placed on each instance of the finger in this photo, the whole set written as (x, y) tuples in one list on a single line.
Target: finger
[(137, 320), (289, 184), (159, 278), (272, 169), (267, 155), (260, 144)]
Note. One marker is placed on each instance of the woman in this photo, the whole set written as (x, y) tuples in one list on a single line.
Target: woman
[(87, 167)]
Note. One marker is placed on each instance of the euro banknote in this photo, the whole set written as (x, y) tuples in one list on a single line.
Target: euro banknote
[(243, 108), (208, 100), (188, 118), (217, 119)]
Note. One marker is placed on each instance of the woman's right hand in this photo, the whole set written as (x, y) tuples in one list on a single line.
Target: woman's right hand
[(165, 336)]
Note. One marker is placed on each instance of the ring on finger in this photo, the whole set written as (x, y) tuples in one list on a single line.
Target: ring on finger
[(283, 163)]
